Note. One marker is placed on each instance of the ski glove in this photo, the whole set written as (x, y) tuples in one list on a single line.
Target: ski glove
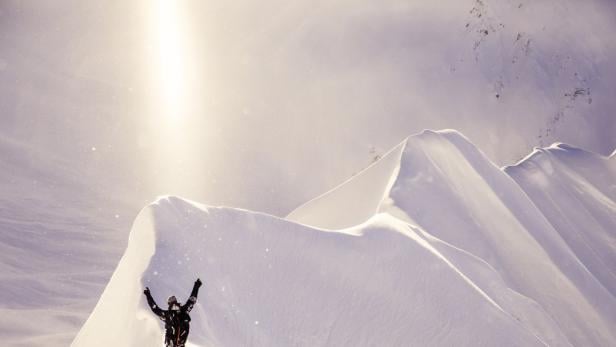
[(146, 291), (198, 283)]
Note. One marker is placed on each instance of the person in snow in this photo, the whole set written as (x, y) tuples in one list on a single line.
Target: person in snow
[(176, 318)]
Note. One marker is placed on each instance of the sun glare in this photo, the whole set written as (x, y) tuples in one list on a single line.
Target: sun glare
[(171, 55), (174, 165)]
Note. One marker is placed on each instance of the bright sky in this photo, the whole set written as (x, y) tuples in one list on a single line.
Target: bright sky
[(265, 104)]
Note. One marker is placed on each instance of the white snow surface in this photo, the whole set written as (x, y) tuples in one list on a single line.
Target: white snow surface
[(58, 247), (433, 245)]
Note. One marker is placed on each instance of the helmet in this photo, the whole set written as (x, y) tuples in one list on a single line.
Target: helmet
[(172, 300)]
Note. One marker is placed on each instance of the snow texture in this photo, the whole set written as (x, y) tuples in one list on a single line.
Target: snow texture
[(58, 247), (433, 245)]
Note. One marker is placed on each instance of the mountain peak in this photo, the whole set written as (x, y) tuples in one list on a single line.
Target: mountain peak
[(369, 191)]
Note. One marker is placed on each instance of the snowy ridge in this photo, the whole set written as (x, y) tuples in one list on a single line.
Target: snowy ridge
[(269, 279), (449, 188), (576, 192), (361, 195), (431, 246)]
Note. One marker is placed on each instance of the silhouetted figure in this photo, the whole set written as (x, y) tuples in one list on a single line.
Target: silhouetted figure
[(176, 318)]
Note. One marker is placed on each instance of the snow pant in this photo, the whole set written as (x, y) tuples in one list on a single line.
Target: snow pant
[(177, 341)]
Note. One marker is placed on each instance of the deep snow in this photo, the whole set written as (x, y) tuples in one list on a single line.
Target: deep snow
[(433, 245), (60, 241)]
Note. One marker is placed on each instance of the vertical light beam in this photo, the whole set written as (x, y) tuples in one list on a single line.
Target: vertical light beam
[(172, 60), (173, 164)]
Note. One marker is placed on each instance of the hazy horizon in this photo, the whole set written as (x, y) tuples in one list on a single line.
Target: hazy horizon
[(238, 104)]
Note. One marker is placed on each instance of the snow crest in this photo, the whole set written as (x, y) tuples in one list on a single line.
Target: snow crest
[(433, 245)]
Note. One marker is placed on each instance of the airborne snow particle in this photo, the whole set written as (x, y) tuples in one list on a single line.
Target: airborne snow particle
[(93, 149)]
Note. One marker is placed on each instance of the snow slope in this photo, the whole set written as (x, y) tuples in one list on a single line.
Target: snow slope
[(576, 191), (449, 188), (431, 246), (270, 282), (59, 244)]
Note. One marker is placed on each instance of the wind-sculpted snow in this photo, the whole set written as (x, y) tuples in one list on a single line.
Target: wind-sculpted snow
[(576, 191), (270, 282), (448, 187), (432, 246)]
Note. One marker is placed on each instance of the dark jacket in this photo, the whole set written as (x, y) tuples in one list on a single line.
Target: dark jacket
[(176, 318)]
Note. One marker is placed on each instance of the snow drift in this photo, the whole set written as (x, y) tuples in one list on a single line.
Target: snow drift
[(432, 245)]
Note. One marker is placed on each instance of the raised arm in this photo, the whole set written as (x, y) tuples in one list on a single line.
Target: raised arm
[(193, 297), (157, 310)]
